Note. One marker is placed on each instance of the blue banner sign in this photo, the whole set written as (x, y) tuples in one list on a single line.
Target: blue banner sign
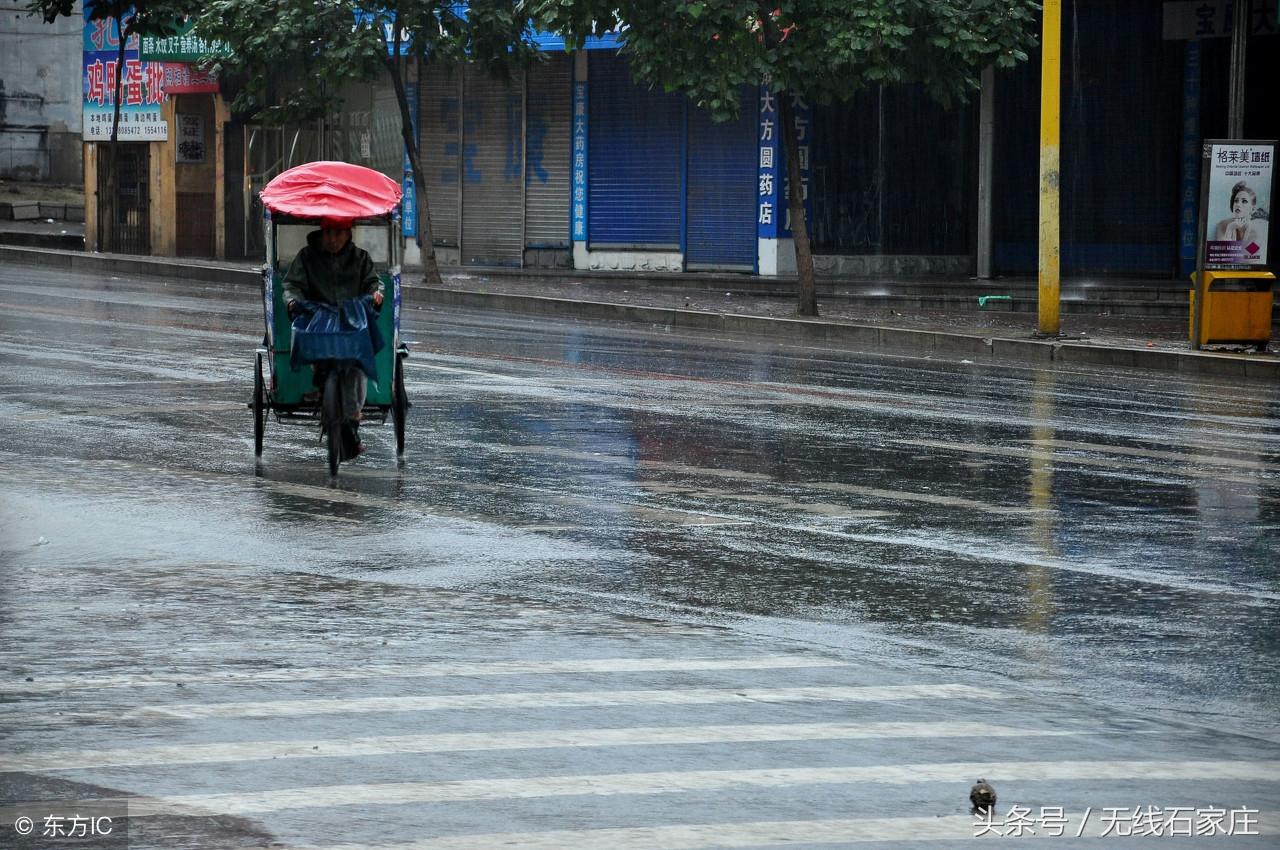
[(409, 201), (579, 218), (1190, 200), (773, 212)]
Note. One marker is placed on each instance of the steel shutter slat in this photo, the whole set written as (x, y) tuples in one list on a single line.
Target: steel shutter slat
[(492, 169), (722, 189), (634, 159), (548, 157), (438, 140)]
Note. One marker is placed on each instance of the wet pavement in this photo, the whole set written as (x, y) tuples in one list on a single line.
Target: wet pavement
[(627, 589)]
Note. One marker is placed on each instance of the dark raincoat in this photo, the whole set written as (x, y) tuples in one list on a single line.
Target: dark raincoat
[(317, 275)]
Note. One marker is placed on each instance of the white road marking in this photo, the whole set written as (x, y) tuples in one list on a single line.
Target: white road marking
[(1048, 455), (561, 699), (525, 740), (673, 782), (1206, 457), (431, 670)]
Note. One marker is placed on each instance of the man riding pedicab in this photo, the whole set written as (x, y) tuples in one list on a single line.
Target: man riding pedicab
[(332, 270)]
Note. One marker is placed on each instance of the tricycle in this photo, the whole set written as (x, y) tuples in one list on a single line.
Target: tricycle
[(302, 384)]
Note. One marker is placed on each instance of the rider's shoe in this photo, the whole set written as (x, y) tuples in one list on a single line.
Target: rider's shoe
[(351, 445)]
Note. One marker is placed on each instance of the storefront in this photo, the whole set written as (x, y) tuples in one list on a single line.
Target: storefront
[(495, 160), (159, 188), (651, 181)]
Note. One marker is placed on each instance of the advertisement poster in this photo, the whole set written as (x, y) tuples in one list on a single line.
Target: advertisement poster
[(141, 88), (1238, 204)]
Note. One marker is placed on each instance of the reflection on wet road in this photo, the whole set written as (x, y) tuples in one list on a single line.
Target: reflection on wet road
[(739, 561)]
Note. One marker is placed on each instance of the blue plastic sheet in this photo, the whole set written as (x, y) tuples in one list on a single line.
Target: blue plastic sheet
[(348, 332)]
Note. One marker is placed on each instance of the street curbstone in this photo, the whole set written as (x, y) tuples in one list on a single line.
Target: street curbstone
[(1036, 351), (865, 336), (873, 336)]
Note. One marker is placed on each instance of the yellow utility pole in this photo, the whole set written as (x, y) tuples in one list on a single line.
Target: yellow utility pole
[(1050, 103)]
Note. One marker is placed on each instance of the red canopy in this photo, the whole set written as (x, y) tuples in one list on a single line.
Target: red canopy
[(336, 191)]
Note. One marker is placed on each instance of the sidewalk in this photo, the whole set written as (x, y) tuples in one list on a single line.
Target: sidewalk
[(858, 314)]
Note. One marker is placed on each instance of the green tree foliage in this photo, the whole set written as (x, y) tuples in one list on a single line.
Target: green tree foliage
[(818, 50), (294, 54)]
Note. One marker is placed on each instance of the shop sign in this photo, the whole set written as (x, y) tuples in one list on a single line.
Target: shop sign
[(183, 78), (141, 88), (1188, 221), (409, 190), (578, 219), (773, 208), (1236, 206), (1186, 20), (190, 145), (184, 46)]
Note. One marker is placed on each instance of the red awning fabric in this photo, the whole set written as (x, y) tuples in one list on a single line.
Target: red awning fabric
[(335, 191)]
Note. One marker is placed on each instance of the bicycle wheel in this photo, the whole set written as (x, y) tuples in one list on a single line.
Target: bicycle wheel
[(259, 406), (331, 418), (399, 404)]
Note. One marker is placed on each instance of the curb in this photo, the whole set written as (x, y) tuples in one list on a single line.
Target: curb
[(1213, 364), (128, 265), (869, 336), (52, 241)]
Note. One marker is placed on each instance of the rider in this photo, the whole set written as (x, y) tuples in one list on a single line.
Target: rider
[(332, 269)]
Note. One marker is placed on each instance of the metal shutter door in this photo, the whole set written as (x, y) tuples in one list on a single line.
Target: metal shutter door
[(546, 201), (492, 169), (722, 190), (438, 140), (634, 159)]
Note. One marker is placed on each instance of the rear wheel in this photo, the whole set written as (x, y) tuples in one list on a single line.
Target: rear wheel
[(331, 417), (399, 404), (259, 407)]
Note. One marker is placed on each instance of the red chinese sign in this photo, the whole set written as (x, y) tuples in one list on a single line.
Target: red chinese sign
[(181, 78)]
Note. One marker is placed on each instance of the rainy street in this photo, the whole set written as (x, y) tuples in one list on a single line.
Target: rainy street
[(629, 588)]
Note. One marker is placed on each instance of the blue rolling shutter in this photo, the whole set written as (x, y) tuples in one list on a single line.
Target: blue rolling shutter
[(722, 189), (634, 160)]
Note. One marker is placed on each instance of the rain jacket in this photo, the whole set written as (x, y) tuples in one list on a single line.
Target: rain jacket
[(317, 275)]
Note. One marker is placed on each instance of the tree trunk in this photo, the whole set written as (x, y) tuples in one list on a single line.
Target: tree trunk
[(808, 292), (426, 245), (112, 192)]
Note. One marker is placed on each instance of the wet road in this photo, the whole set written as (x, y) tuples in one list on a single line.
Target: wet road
[(630, 588)]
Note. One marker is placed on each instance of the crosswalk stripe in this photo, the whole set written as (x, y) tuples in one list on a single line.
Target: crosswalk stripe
[(480, 741), (703, 836), (670, 782), (560, 699), (439, 669)]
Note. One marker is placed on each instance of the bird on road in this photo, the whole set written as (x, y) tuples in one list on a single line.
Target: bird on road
[(983, 798)]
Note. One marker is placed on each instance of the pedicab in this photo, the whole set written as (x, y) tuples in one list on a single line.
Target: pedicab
[(297, 383)]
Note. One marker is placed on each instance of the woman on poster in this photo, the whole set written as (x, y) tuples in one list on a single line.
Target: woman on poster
[(1242, 227)]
